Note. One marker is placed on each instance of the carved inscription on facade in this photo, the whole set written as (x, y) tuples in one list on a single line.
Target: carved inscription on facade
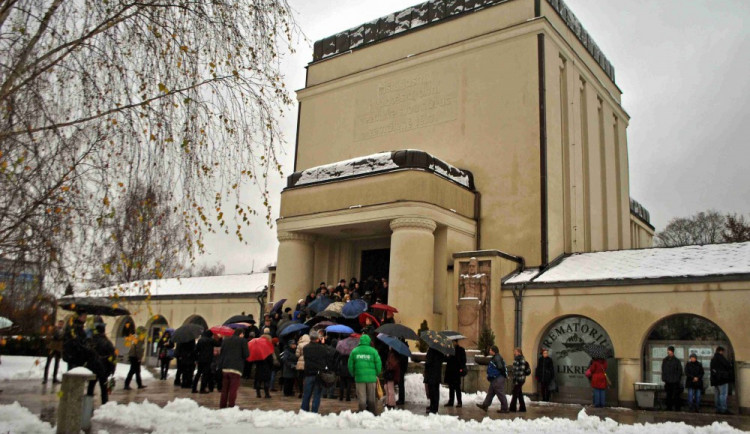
[(403, 104)]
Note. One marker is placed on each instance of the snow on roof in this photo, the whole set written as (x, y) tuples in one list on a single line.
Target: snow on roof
[(230, 284), (688, 261), (523, 277), (342, 169)]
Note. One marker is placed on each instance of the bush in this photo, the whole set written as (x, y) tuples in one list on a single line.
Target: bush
[(422, 344), (31, 345), (486, 340)]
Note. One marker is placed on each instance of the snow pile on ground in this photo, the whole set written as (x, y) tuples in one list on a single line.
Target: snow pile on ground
[(172, 418), (415, 393), (32, 368), (15, 419)]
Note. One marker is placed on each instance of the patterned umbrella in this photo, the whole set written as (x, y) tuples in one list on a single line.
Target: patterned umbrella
[(396, 344), (596, 351), (353, 308), (222, 330), (336, 306), (345, 346), (187, 333), (398, 331), (385, 307), (364, 316), (438, 342), (339, 328), (5, 322), (293, 328), (329, 314), (452, 335), (260, 348), (92, 305)]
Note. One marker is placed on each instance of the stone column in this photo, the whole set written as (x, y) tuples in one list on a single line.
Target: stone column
[(628, 373), (294, 270), (411, 276)]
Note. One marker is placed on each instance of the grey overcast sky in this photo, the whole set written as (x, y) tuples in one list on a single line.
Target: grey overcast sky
[(683, 67)]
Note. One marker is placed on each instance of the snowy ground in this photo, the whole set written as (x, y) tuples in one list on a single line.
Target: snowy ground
[(32, 368)]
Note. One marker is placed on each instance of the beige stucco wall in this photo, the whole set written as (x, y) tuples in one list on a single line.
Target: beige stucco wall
[(628, 313)]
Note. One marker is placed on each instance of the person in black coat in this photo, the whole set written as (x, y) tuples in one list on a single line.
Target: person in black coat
[(163, 348), (345, 377), (433, 367), (545, 373), (76, 352), (722, 374), (204, 354), (263, 373), (234, 351), (694, 382), (185, 353), (404, 361), (455, 370), (671, 375), (288, 360), (103, 365)]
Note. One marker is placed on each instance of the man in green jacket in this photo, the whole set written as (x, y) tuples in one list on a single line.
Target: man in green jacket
[(365, 365)]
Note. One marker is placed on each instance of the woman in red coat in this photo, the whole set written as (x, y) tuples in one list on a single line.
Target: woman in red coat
[(597, 373)]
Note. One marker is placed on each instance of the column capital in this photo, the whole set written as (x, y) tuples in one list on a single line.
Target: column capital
[(295, 236), (413, 223)]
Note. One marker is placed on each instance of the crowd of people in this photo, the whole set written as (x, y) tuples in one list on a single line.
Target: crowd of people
[(311, 364)]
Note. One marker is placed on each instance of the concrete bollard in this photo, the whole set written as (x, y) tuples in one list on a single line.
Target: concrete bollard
[(70, 415)]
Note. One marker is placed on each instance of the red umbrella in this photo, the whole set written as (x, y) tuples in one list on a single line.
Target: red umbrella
[(222, 330), (385, 307), (260, 348), (364, 316)]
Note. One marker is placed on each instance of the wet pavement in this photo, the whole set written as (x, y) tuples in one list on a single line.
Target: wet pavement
[(42, 400)]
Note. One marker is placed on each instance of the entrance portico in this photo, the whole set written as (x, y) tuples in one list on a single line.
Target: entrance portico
[(420, 215)]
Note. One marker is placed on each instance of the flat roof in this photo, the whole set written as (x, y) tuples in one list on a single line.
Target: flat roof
[(638, 265), (232, 284)]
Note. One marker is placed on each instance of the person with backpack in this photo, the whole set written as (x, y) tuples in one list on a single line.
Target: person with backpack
[(521, 369), (496, 375)]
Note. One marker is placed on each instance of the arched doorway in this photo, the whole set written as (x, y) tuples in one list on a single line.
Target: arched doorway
[(156, 327), (564, 339), (197, 320), (688, 333), (124, 327)]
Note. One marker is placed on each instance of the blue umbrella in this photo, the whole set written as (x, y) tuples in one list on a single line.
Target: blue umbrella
[(396, 344), (353, 308), (339, 328), (320, 304), (278, 305), (293, 329)]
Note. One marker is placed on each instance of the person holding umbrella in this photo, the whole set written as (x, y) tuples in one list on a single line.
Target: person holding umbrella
[(75, 351), (234, 351), (165, 348), (317, 357), (393, 376), (365, 365), (289, 367), (105, 363), (204, 351), (433, 366), (455, 370)]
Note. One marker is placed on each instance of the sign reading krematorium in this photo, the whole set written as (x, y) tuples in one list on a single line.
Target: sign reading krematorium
[(565, 340)]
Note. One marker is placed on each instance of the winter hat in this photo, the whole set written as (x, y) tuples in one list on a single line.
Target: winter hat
[(693, 356), (670, 348)]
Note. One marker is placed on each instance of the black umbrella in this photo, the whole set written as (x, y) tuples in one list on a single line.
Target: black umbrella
[(92, 305), (438, 342), (329, 314), (187, 333), (596, 351), (278, 305), (398, 331), (240, 318)]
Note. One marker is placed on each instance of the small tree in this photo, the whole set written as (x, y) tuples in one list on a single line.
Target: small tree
[(486, 340), (422, 344), (737, 229)]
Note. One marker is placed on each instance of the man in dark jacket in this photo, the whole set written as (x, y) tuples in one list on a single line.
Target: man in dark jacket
[(721, 375), (204, 354), (455, 370), (404, 365), (75, 351), (317, 356), (545, 373), (185, 353), (694, 382), (104, 364), (671, 375), (234, 351), (496, 375), (433, 367), (288, 367)]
